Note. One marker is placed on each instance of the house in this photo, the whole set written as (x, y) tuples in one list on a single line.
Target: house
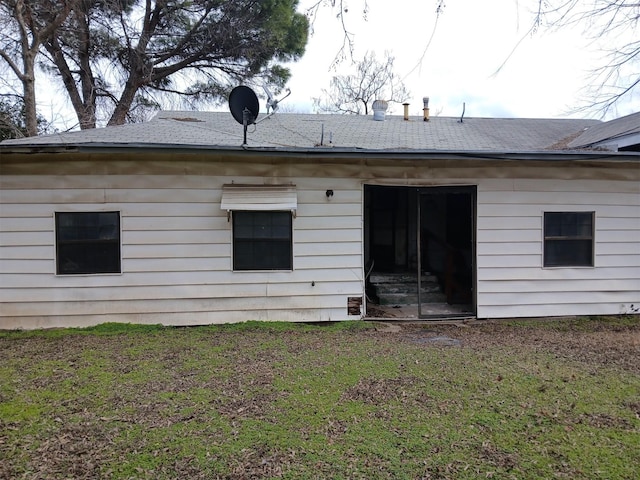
[(621, 134), (320, 218)]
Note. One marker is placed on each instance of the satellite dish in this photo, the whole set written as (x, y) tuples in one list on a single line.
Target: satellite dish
[(244, 106), (243, 100)]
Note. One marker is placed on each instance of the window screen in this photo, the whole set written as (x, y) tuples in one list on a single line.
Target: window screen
[(262, 240), (568, 239), (87, 242)]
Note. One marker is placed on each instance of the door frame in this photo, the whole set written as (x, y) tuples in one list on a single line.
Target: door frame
[(414, 236)]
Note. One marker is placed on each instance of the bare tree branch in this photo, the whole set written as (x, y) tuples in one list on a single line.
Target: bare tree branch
[(617, 79), (355, 94)]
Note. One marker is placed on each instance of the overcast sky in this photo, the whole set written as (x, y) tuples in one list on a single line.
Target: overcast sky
[(544, 77)]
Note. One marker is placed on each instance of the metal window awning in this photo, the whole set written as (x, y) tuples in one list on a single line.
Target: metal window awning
[(259, 197)]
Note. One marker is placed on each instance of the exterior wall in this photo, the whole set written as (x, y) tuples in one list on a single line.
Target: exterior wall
[(176, 241), (176, 252), (511, 279)]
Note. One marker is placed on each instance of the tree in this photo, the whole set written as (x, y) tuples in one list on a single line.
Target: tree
[(127, 54), (356, 93), (618, 77), (118, 58), (13, 120), (25, 26)]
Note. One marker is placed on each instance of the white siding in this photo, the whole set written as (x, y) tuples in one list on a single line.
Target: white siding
[(511, 280), (176, 253), (176, 241)]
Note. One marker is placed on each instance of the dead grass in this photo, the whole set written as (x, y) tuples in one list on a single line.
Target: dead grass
[(495, 400)]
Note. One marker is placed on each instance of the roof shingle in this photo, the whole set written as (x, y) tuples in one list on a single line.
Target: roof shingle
[(289, 130)]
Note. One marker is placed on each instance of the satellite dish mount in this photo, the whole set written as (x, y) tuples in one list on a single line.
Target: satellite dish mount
[(244, 106), (272, 103), (247, 119)]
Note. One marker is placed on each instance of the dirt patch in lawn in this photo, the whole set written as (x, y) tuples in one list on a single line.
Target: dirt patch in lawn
[(598, 343), (382, 391)]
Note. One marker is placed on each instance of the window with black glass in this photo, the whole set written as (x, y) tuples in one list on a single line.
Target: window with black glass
[(568, 239), (87, 242), (262, 240)]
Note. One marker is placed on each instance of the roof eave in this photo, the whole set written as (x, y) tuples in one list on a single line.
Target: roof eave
[(326, 152)]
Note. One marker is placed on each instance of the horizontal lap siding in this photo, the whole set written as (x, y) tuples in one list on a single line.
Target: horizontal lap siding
[(176, 253), (511, 281), (176, 247)]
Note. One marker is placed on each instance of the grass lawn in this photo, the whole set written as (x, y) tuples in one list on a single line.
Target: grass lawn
[(521, 400)]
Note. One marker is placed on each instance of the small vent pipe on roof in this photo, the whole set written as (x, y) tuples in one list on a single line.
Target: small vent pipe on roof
[(406, 111), (425, 110)]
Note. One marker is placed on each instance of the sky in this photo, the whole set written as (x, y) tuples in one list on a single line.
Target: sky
[(544, 77), (545, 74)]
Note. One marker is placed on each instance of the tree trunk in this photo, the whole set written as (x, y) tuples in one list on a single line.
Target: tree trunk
[(126, 99), (29, 94), (139, 71), (86, 117), (27, 75), (30, 41), (87, 80)]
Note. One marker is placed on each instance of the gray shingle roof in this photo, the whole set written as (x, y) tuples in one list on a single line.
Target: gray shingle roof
[(613, 132), (289, 130)]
